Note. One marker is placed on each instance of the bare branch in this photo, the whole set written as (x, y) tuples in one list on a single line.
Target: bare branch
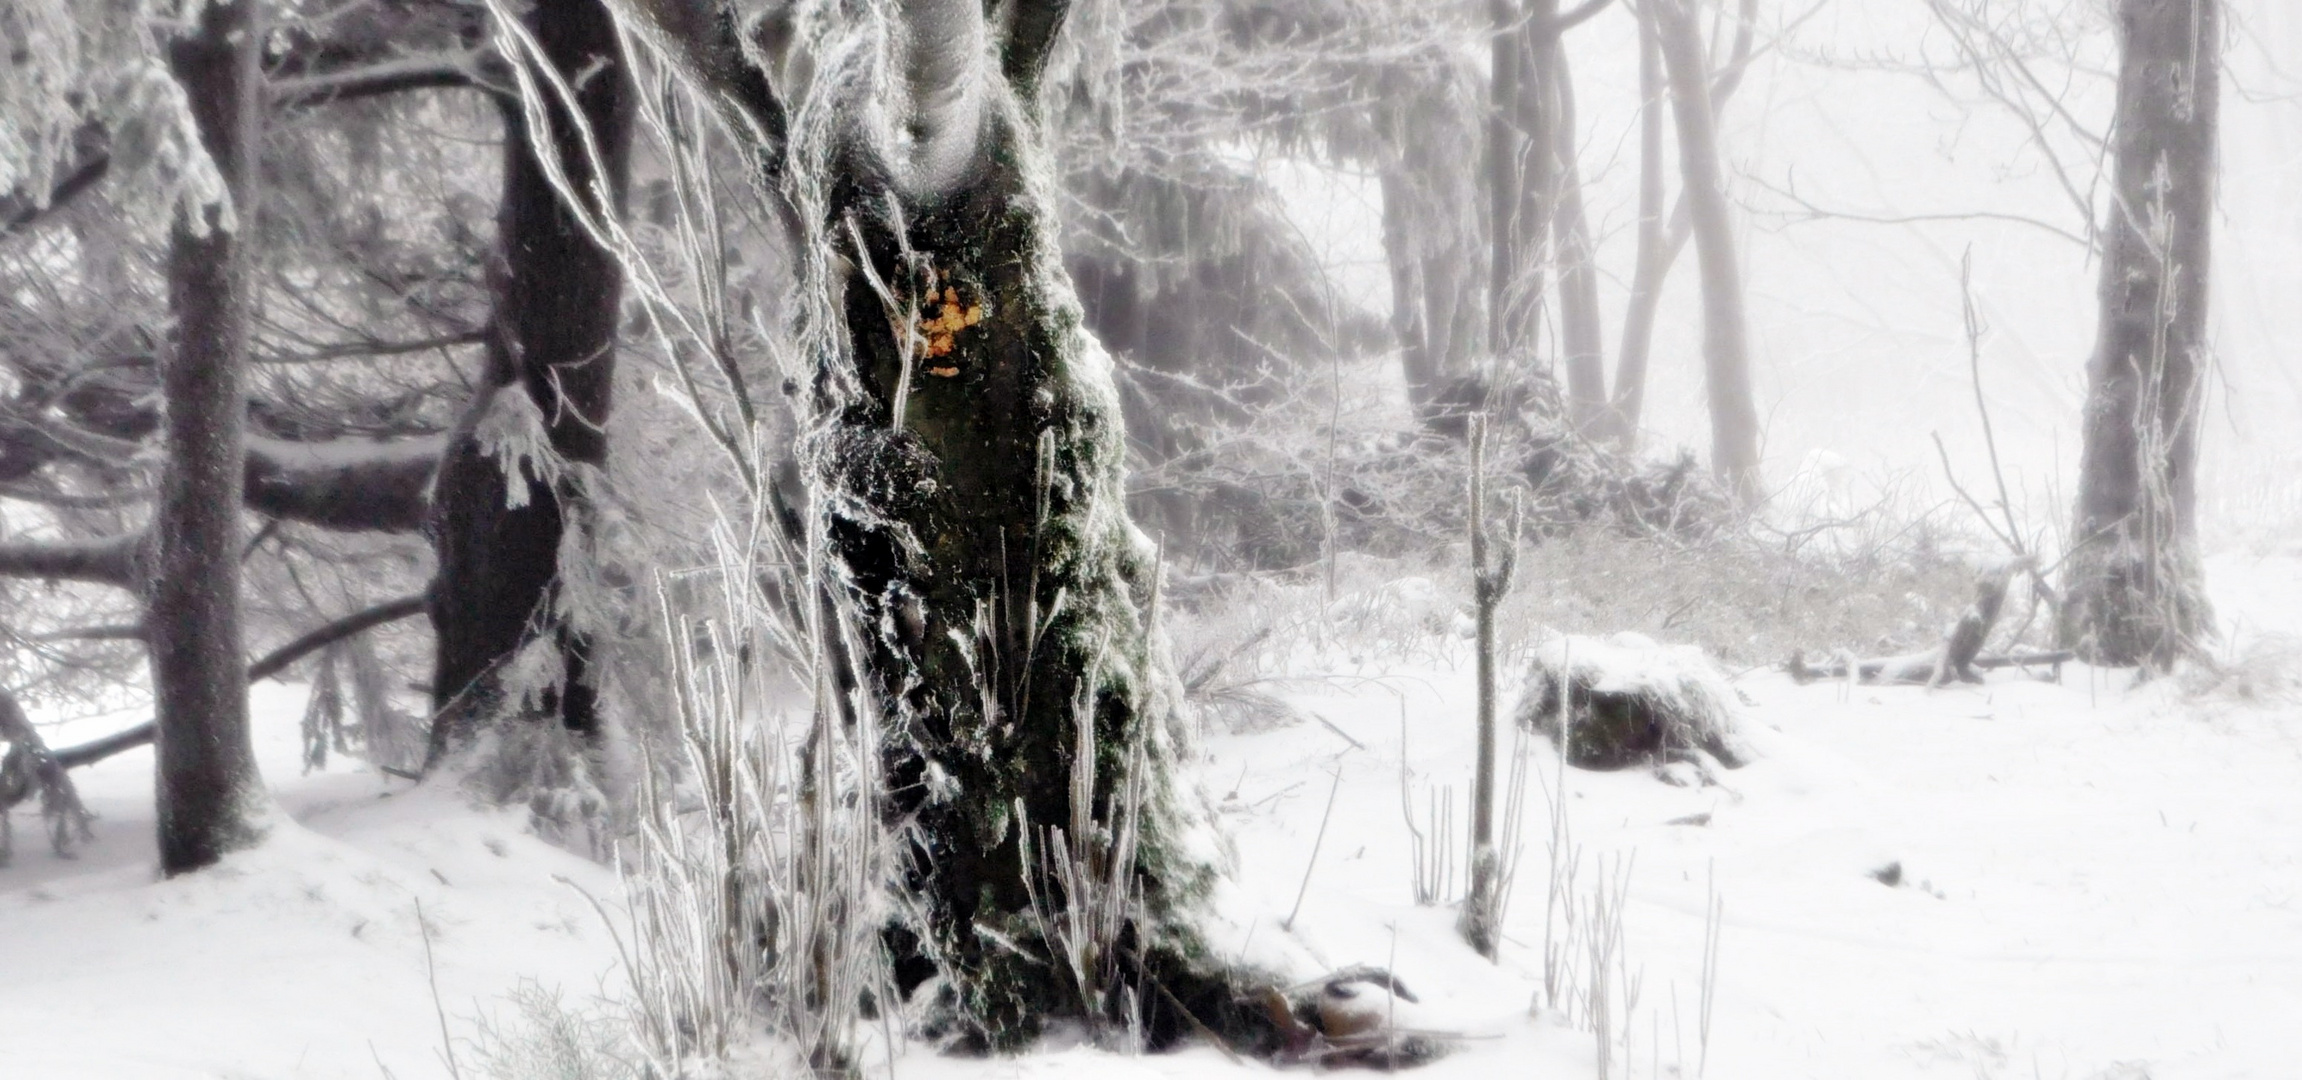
[(351, 485), (272, 663), (396, 75), (111, 561)]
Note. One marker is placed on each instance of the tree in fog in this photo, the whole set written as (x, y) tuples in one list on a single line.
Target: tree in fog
[(2132, 592), (1726, 329)]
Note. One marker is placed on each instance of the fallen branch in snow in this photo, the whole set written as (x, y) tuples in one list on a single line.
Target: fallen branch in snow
[(1869, 671), (1959, 656)]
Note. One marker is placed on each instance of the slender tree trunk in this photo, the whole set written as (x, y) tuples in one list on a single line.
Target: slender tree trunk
[(1579, 329), (1410, 322), (1726, 333), (1533, 140), (2132, 589), (209, 792), (1660, 239), (1654, 254), (499, 525), (1432, 238), (1506, 312)]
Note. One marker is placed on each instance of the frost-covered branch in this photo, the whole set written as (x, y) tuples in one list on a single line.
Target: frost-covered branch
[(392, 76), (344, 484)]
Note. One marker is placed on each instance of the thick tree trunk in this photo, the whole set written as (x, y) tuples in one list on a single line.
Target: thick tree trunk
[(1726, 333), (1002, 595), (208, 787), (2132, 590), (499, 525)]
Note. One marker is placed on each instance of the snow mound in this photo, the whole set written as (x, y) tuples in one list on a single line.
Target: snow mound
[(1632, 701)]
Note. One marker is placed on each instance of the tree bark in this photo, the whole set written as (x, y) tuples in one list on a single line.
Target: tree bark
[(2133, 592), (498, 527), (1726, 333), (208, 787), (1000, 594)]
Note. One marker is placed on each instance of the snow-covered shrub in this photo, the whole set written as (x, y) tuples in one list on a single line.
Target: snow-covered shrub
[(546, 1038), (1629, 700)]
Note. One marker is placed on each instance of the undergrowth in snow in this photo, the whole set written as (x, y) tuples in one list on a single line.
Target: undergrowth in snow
[(2090, 880)]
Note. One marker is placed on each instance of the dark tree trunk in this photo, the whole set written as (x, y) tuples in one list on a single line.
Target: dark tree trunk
[(1726, 332), (1002, 596), (208, 787), (2132, 591), (550, 356)]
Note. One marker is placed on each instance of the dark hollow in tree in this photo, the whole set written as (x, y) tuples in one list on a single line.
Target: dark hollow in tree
[(207, 780), (2132, 589), (552, 342)]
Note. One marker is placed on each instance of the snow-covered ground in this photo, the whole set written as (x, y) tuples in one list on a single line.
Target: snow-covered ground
[(2097, 883)]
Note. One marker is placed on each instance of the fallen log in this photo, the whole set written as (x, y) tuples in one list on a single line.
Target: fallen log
[(1958, 657), (1917, 664)]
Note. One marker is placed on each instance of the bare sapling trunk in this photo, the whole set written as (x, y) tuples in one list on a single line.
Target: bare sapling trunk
[(1726, 332), (2132, 590), (1491, 571), (504, 506), (209, 792)]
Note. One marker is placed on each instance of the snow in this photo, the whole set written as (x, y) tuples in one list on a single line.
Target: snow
[(302, 958), (2097, 882)]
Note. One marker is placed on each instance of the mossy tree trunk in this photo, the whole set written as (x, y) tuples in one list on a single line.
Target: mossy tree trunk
[(968, 459), (208, 787), (1003, 595), (2132, 587), (550, 355)]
